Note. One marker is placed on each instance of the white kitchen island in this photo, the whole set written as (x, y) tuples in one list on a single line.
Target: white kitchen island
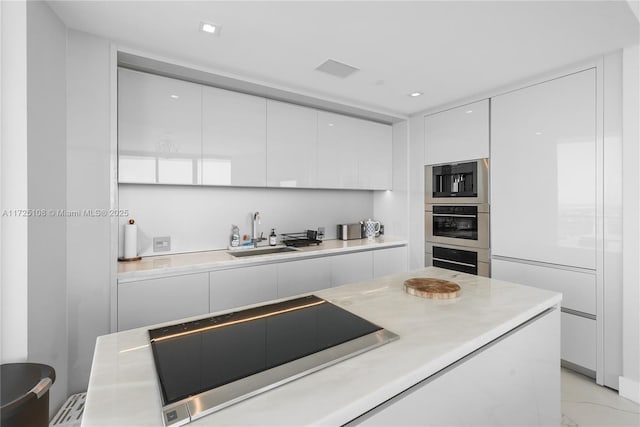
[(489, 357)]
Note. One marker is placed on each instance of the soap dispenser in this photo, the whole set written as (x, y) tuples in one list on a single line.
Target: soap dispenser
[(235, 236), (272, 237)]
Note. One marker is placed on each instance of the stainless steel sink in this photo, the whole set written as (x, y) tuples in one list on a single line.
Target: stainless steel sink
[(262, 251)]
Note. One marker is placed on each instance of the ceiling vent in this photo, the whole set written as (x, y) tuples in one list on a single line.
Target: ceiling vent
[(336, 68)]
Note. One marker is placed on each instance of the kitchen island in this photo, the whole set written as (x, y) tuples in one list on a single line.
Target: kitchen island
[(490, 356)]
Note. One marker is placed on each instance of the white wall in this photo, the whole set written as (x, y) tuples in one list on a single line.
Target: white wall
[(392, 207), (13, 170), (630, 379), (46, 151), (200, 218), (89, 260)]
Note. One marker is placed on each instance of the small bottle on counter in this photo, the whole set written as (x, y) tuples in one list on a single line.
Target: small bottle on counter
[(272, 237), (235, 236)]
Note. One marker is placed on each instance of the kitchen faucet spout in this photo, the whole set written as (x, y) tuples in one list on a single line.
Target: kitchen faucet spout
[(254, 229)]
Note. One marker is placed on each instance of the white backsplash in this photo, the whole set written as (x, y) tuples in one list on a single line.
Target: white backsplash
[(200, 218)]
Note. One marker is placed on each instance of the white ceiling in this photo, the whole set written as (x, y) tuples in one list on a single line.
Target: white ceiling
[(448, 50)]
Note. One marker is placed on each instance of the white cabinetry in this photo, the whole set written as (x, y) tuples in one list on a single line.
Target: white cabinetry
[(175, 132), (389, 261), (494, 386), (579, 341), (159, 129), (304, 276), (457, 134), (233, 138), (578, 288), (353, 153), (350, 268), (543, 172), (242, 286), (292, 154), (147, 302)]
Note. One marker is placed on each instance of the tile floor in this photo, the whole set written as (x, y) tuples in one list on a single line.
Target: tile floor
[(584, 403)]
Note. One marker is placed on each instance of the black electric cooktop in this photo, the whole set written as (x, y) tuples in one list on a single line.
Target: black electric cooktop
[(253, 350)]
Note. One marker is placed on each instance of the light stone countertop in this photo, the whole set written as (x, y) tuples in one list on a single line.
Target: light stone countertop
[(195, 262), (124, 391)]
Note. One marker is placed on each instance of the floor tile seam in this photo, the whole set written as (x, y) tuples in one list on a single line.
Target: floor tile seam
[(601, 404)]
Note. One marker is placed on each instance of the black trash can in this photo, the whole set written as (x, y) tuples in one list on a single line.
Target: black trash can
[(25, 394)]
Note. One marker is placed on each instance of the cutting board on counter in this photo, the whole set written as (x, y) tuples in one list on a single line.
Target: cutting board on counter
[(426, 287)]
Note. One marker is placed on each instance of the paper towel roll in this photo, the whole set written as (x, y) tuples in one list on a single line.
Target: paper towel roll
[(130, 241)]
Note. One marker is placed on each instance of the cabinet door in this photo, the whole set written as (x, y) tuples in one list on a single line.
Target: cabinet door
[(147, 302), (338, 151), (233, 138), (292, 156), (304, 276), (389, 261), (242, 286), (543, 172), (579, 341), (578, 289), (350, 268), (159, 129), (376, 161), (457, 134)]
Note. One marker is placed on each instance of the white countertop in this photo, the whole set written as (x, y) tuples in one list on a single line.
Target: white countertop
[(195, 262), (124, 391)]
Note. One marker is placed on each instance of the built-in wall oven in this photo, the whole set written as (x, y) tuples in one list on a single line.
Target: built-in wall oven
[(457, 216), (460, 225)]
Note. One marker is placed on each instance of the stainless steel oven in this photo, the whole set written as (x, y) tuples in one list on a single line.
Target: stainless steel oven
[(464, 182), (460, 225), (458, 258)]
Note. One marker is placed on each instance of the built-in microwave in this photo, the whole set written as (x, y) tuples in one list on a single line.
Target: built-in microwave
[(464, 182), (460, 225)]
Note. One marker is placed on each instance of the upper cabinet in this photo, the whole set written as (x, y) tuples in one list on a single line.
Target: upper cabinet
[(457, 134), (158, 129), (175, 132), (292, 146), (543, 172), (353, 153), (234, 138)]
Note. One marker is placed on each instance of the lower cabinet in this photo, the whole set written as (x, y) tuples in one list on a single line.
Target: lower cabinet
[(147, 302), (579, 341), (514, 380), (578, 290), (242, 286), (350, 268), (303, 276), (389, 261), (151, 301)]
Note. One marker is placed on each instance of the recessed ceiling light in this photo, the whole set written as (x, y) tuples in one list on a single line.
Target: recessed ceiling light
[(469, 111), (174, 96), (210, 28), (414, 94), (538, 133)]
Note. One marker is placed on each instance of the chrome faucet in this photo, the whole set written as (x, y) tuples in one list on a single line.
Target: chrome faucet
[(254, 230)]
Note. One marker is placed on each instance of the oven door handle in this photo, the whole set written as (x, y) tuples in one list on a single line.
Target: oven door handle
[(456, 215), (454, 262)]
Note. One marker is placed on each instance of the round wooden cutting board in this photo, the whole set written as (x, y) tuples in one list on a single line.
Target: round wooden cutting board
[(432, 288)]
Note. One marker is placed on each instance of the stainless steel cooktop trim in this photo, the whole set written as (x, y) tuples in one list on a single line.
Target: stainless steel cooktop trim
[(198, 406)]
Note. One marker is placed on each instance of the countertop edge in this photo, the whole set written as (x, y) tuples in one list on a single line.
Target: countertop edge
[(156, 273), (360, 407)]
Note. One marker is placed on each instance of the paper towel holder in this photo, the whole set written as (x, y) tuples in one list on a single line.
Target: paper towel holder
[(135, 258)]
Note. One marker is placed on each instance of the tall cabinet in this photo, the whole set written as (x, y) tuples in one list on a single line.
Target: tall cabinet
[(544, 200)]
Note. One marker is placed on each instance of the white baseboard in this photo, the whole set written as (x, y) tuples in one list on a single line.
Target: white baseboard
[(629, 389)]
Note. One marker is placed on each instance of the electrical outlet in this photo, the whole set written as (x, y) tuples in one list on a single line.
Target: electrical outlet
[(161, 244)]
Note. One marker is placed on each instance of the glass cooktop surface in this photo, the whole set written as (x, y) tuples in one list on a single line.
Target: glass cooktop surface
[(209, 353)]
